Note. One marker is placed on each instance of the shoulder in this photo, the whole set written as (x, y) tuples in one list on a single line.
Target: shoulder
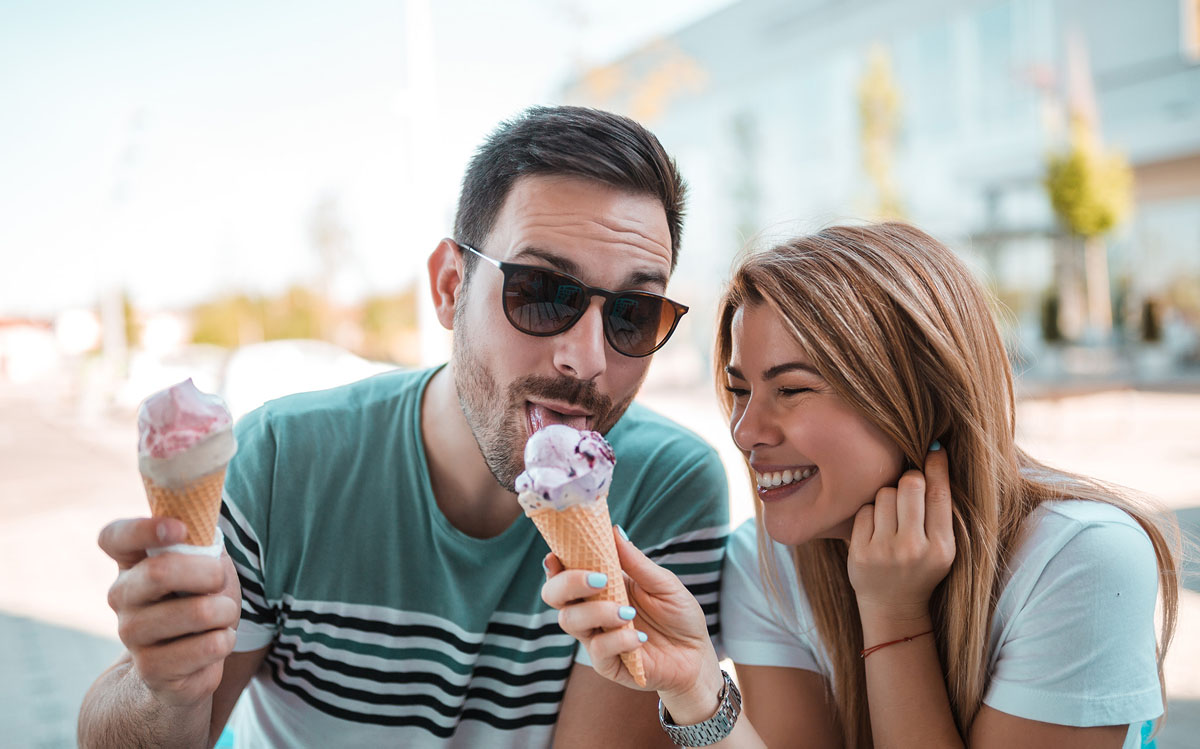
[(1090, 532), (765, 616), (335, 410), (1073, 636), (744, 567), (348, 399), (1079, 556), (741, 550)]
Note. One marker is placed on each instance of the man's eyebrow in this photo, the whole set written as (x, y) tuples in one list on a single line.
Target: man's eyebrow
[(559, 262), (633, 280), (776, 370)]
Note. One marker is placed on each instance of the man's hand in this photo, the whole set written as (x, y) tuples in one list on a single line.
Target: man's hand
[(177, 614), (902, 546)]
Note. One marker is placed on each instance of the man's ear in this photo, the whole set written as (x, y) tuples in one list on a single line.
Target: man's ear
[(446, 280)]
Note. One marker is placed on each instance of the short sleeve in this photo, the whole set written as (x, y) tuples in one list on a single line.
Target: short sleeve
[(757, 631), (1081, 650), (673, 503), (244, 513)]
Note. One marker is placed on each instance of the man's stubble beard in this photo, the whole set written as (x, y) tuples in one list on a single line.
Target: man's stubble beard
[(497, 420)]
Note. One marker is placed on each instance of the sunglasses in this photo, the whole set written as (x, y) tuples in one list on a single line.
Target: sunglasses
[(543, 302)]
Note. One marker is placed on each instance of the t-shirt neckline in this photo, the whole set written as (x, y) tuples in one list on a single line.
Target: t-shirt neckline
[(520, 525)]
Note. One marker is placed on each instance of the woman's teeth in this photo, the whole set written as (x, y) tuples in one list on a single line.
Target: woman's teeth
[(779, 478)]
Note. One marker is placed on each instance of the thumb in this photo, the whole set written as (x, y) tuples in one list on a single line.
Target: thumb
[(642, 570)]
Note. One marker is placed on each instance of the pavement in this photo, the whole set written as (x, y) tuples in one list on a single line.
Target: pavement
[(66, 471)]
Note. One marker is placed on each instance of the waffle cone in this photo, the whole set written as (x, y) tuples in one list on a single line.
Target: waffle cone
[(198, 505), (581, 536)]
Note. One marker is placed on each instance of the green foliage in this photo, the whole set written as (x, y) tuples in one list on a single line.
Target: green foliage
[(389, 326), (1090, 190), (240, 319)]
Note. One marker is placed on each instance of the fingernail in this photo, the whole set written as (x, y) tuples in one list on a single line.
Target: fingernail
[(642, 636), (165, 531), (597, 579), (626, 612), (545, 568), (935, 446), (624, 535)]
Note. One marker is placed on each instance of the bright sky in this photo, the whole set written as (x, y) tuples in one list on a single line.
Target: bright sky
[(179, 149)]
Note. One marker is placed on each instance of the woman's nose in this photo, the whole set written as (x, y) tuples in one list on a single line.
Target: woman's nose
[(754, 426)]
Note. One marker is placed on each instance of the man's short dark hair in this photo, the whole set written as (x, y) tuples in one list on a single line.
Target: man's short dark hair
[(571, 142)]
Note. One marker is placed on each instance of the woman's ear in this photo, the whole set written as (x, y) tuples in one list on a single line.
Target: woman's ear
[(446, 276)]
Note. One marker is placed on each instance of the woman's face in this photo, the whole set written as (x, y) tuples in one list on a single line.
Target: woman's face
[(816, 459)]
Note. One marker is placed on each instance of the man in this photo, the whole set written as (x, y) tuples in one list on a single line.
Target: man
[(388, 585)]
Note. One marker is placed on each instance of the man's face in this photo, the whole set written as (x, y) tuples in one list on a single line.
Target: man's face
[(510, 383)]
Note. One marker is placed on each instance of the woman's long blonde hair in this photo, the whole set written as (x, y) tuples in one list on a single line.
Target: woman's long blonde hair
[(900, 329)]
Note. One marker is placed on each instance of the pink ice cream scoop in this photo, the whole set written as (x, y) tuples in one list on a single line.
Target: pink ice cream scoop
[(175, 419), (185, 442)]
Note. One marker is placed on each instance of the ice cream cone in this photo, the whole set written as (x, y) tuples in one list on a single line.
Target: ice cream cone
[(581, 536), (197, 504)]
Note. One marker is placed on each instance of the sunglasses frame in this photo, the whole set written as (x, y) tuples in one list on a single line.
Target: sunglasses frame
[(588, 291)]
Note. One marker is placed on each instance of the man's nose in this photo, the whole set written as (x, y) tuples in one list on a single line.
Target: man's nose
[(582, 351)]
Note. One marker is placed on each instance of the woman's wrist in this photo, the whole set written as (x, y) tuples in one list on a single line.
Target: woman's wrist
[(887, 621), (698, 702)]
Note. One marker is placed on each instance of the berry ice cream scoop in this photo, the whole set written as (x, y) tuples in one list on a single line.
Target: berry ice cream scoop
[(565, 467), (564, 490)]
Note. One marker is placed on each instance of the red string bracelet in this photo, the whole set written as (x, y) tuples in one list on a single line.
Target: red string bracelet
[(867, 651)]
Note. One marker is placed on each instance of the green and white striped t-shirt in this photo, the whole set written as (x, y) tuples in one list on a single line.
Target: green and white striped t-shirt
[(384, 624)]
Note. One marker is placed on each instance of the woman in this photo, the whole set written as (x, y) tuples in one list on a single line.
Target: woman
[(912, 577)]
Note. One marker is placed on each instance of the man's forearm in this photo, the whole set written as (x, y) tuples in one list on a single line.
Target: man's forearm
[(120, 711)]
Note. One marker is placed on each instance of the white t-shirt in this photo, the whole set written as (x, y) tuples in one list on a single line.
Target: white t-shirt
[(1073, 636)]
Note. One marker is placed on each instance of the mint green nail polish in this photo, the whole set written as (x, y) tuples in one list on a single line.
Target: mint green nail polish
[(935, 446), (626, 612), (624, 535), (597, 579), (642, 636)]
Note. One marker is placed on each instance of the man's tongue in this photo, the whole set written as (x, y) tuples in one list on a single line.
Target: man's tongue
[(540, 416)]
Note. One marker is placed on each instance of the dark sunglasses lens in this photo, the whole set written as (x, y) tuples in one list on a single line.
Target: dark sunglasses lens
[(541, 302), (639, 323)]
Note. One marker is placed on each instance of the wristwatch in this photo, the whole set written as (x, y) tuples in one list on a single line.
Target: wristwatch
[(712, 730)]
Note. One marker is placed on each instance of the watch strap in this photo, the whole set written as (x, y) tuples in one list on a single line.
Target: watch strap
[(712, 730)]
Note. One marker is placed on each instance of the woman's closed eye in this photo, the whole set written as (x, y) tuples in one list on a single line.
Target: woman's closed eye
[(794, 391), (737, 392)]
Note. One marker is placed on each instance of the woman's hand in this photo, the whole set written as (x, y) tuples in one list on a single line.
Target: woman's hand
[(678, 656), (902, 546)]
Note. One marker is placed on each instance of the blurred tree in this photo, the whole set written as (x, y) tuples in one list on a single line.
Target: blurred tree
[(230, 321), (1151, 323), (133, 326), (879, 104), (295, 314), (389, 326), (1051, 331), (1090, 191), (240, 319)]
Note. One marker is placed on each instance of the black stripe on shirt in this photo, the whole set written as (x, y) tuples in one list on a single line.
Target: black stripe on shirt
[(506, 724)]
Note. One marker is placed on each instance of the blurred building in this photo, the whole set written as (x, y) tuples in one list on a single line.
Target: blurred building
[(760, 103)]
